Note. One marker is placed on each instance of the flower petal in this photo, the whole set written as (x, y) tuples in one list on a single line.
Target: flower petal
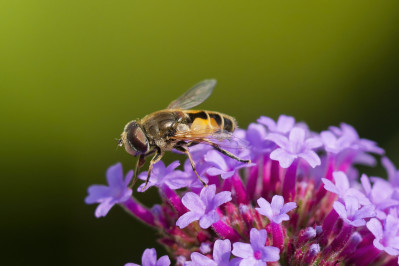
[(279, 218), (193, 202), (242, 250), (340, 209), (213, 171), (279, 139), (257, 238), (199, 259), (268, 122), (311, 157), (115, 175), (277, 203), (103, 208), (187, 219), (265, 208), (163, 261), (221, 251), (329, 186), (128, 178), (149, 257), (285, 159), (375, 227), (97, 193), (288, 207), (297, 136), (341, 181), (270, 254), (216, 159), (285, 123), (208, 219), (221, 198), (207, 194)]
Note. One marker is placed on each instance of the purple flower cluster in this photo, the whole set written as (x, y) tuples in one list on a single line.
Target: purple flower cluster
[(300, 202)]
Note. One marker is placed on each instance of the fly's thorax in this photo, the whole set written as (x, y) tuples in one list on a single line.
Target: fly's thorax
[(161, 124), (134, 138)]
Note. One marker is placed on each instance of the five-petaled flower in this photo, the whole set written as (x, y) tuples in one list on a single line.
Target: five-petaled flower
[(117, 191), (256, 253), (221, 256), (342, 188), (203, 207), (351, 212), (295, 146), (284, 124), (225, 167), (386, 239), (162, 175), (277, 210)]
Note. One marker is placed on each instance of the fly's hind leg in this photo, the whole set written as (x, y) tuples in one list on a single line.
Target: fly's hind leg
[(158, 156), (186, 151), (227, 153)]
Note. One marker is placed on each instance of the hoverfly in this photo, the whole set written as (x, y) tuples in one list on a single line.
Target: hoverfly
[(178, 128)]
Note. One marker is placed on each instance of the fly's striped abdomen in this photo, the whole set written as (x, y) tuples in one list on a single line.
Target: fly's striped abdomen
[(213, 121)]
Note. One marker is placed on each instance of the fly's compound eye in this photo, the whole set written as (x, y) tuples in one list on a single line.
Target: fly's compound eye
[(137, 139)]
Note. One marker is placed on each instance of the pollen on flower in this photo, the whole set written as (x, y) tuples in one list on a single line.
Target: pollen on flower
[(300, 202)]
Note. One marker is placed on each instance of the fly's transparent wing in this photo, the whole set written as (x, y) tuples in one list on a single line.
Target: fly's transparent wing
[(223, 138), (194, 96)]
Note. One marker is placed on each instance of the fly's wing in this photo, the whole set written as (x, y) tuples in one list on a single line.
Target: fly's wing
[(224, 139), (194, 96)]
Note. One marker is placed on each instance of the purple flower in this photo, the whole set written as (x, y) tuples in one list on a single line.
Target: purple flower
[(332, 143), (221, 256), (353, 141), (343, 189), (203, 207), (393, 173), (351, 213), (225, 167), (256, 137), (284, 124), (117, 191), (380, 194), (191, 180), (295, 146), (149, 258), (277, 210), (256, 253), (386, 239), (162, 175)]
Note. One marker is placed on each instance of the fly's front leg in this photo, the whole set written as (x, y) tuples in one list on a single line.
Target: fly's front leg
[(158, 156), (140, 162), (227, 153), (186, 151)]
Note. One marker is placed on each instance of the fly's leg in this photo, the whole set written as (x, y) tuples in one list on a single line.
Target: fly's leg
[(158, 156), (186, 151), (140, 162), (227, 153)]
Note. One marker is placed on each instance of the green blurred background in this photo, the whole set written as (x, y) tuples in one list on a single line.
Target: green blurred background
[(72, 73)]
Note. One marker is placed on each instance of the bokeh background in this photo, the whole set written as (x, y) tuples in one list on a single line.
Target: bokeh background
[(72, 73)]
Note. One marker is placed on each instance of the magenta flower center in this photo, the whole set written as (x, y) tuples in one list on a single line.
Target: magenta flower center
[(257, 255)]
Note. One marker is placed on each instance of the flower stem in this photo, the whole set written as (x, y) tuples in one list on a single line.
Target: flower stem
[(174, 199), (289, 185), (242, 197), (328, 226), (277, 234), (225, 231), (139, 211)]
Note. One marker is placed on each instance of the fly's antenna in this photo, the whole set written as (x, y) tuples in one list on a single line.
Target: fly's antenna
[(119, 144)]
